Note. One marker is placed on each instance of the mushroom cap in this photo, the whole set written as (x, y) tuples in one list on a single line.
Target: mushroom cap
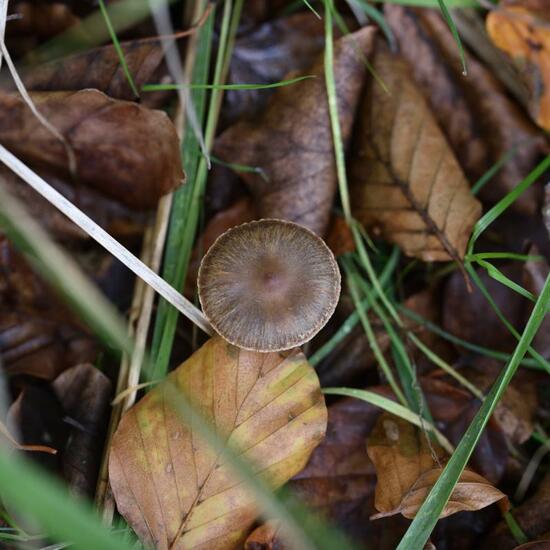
[(268, 285)]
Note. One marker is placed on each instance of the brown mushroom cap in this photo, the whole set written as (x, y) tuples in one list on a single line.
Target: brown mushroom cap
[(268, 285)]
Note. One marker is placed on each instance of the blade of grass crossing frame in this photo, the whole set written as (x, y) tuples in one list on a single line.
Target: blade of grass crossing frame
[(43, 498), (419, 531), (448, 18), (118, 49), (506, 201), (371, 336), (392, 407), (280, 84), (339, 153)]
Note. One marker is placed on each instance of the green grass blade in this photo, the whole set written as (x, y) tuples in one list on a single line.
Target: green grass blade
[(394, 408), (371, 336), (339, 152), (349, 324), (179, 243), (312, 9), (448, 18), (280, 84), (419, 531), (483, 180), (38, 495), (506, 202), (118, 49)]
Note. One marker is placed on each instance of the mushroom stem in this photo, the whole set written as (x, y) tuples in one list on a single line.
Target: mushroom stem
[(168, 292)]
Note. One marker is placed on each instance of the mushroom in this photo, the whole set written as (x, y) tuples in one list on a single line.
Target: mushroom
[(268, 285)]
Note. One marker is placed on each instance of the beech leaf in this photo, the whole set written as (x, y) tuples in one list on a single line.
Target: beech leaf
[(401, 454), (292, 141), (480, 120), (406, 182), (168, 484), (122, 149)]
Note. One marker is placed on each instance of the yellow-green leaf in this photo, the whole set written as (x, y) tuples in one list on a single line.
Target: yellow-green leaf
[(167, 482)]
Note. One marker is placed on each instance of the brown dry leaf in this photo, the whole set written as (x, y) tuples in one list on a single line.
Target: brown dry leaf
[(168, 484), (525, 36), (38, 335), (401, 454), (265, 537), (100, 69), (292, 141), (266, 55), (84, 392), (405, 180), (339, 480), (472, 492), (114, 217), (126, 151), (479, 119)]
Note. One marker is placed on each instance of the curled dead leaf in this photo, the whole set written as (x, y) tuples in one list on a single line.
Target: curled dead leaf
[(167, 482), (400, 453), (405, 180), (525, 36), (472, 492), (100, 69), (292, 141), (126, 151)]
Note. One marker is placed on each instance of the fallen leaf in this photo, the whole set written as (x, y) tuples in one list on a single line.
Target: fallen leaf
[(400, 453), (524, 35), (84, 392), (166, 480), (472, 492), (265, 55), (478, 118), (292, 141), (126, 151), (114, 217), (265, 537), (38, 335), (339, 480), (40, 19), (535, 545), (405, 181), (33, 345), (100, 69), (36, 418)]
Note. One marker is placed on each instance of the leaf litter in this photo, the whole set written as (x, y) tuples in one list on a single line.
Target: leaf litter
[(427, 152)]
